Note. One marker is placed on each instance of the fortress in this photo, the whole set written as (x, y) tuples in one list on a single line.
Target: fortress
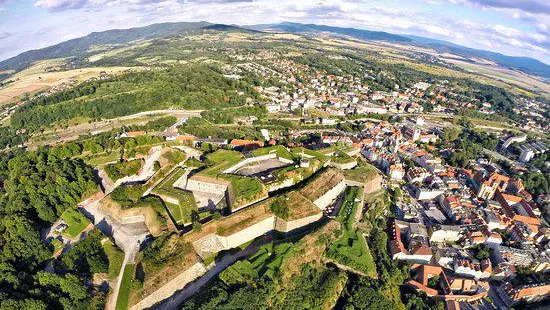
[(305, 207)]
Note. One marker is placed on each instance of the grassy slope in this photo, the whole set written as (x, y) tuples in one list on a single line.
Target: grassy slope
[(351, 248)]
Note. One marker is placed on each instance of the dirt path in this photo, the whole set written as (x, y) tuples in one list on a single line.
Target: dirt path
[(193, 288), (73, 132)]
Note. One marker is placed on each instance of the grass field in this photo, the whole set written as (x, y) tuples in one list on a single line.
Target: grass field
[(246, 189), (221, 160), (104, 158), (351, 248), (116, 257), (125, 286), (36, 78), (76, 222)]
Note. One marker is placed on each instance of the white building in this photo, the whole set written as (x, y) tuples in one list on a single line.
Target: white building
[(446, 233)]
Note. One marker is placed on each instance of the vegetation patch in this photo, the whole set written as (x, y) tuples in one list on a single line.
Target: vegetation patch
[(116, 258), (280, 150), (125, 287), (264, 264), (180, 212), (76, 222), (103, 158), (123, 169), (361, 174)]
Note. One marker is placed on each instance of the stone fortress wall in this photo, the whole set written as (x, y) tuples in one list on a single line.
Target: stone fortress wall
[(326, 199), (253, 160)]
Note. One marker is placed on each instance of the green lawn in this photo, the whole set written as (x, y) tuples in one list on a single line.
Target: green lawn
[(245, 189), (340, 157), (351, 248), (308, 152), (221, 160), (125, 286), (76, 222), (280, 150), (116, 257)]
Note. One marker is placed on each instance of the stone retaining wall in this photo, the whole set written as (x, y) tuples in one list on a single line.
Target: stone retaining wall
[(169, 288), (345, 166), (249, 161), (327, 198), (287, 226), (249, 233)]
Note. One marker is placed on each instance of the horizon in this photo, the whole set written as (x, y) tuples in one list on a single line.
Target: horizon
[(517, 28)]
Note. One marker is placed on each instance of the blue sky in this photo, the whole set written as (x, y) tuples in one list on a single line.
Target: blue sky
[(512, 27)]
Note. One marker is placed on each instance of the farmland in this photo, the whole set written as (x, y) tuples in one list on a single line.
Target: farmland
[(37, 78)]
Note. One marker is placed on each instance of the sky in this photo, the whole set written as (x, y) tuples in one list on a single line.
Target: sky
[(511, 27)]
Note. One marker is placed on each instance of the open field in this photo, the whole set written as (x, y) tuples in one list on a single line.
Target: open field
[(76, 222), (103, 158), (482, 72), (36, 78), (503, 74)]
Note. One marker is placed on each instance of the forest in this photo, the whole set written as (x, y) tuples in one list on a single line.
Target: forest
[(37, 188), (190, 87)]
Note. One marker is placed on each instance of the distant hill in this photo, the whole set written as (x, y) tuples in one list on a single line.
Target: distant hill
[(525, 64), (312, 28), (223, 27), (81, 46)]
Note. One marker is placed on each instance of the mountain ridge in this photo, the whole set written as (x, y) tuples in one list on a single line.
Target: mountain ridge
[(80, 46)]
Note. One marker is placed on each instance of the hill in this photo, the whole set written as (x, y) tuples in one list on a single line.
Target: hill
[(312, 28), (82, 46), (525, 64)]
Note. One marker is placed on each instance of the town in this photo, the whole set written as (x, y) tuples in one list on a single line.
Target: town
[(274, 172)]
